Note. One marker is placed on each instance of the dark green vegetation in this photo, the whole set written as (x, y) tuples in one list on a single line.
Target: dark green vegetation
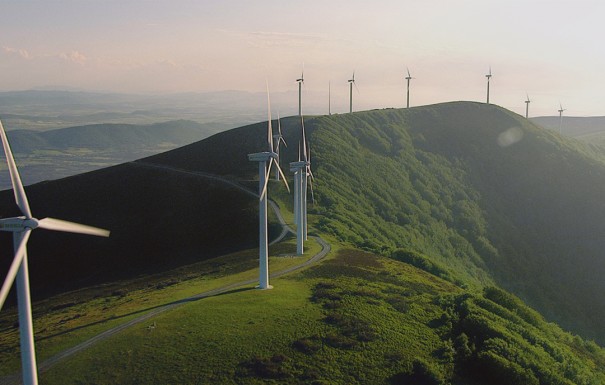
[(441, 181), (464, 198), (355, 319)]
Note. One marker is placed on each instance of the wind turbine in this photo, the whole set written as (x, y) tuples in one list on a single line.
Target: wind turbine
[(488, 76), (300, 82), (351, 82), (408, 78), (302, 171), (329, 98), (21, 227), (527, 107), (263, 179), (278, 139), (561, 109)]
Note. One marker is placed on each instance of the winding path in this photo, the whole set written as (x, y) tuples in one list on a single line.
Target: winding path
[(325, 249)]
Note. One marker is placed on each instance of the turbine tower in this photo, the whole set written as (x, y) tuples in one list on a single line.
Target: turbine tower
[(278, 139), (351, 82), (527, 107), (408, 78), (21, 227), (488, 76), (561, 109), (300, 82), (264, 173)]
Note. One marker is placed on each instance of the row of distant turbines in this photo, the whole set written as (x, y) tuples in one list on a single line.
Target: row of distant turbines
[(408, 78)]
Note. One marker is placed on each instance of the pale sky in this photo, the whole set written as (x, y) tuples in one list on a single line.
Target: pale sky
[(551, 50)]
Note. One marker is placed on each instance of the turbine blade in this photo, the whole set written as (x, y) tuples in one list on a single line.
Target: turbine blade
[(71, 227), (312, 194), (304, 139), (20, 253), (309, 167), (267, 174), (283, 177), (408, 72), (18, 189), (283, 141), (269, 128)]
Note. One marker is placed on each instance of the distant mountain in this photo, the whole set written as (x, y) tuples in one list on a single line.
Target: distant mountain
[(589, 128), (69, 151), (117, 137), (47, 109)]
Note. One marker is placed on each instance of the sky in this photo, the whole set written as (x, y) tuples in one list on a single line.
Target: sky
[(550, 51)]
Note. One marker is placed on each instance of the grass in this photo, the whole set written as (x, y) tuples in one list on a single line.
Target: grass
[(66, 320), (355, 318), (248, 336)]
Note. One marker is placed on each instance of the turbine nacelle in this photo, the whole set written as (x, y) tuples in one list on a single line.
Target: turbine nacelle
[(296, 166), (18, 224), (262, 156)]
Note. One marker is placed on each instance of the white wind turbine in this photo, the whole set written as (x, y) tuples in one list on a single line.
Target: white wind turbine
[(278, 139), (351, 82), (21, 227), (561, 109), (527, 107), (300, 82), (302, 173), (488, 76), (408, 78), (264, 173)]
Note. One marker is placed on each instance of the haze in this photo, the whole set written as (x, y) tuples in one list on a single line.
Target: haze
[(548, 49)]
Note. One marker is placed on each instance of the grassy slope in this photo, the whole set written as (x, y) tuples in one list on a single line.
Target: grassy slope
[(354, 319), (434, 180)]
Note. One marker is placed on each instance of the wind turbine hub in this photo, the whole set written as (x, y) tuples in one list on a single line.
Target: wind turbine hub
[(18, 224)]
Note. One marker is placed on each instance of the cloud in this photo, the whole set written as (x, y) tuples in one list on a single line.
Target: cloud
[(23, 53), (74, 57), (263, 39)]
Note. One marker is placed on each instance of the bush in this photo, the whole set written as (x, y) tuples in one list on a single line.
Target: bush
[(307, 345), (267, 367), (422, 262), (422, 373)]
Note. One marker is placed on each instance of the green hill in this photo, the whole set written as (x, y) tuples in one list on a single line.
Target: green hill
[(463, 198), (448, 182)]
